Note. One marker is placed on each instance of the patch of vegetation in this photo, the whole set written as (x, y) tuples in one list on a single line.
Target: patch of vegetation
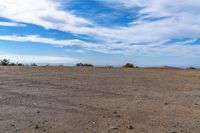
[(191, 68), (33, 65), (84, 65), (129, 65), (6, 62)]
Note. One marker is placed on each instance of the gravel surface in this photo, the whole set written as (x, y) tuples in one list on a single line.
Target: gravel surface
[(99, 100)]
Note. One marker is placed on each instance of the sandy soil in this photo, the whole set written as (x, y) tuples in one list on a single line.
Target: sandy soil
[(99, 100)]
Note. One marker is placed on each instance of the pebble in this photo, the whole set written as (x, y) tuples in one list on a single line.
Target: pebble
[(114, 128), (36, 127), (114, 112), (130, 127)]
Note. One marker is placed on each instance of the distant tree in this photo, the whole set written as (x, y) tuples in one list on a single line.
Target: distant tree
[(19, 64), (4, 62), (12, 64), (129, 65), (33, 65), (79, 64), (191, 68), (82, 64), (88, 65)]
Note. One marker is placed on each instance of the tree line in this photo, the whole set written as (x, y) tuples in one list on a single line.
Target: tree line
[(6, 62)]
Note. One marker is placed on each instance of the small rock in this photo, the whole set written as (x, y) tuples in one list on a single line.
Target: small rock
[(36, 127), (34, 104), (12, 125), (130, 127), (118, 116), (114, 112), (166, 103), (196, 104), (38, 111), (114, 128)]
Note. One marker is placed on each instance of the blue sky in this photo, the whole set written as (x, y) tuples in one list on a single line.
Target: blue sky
[(101, 32)]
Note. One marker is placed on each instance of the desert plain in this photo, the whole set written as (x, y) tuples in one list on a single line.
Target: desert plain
[(99, 100)]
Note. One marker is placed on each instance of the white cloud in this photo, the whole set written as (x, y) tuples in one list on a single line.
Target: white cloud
[(49, 14), (181, 20), (38, 39), (46, 13), (157, 48), (11, 24), (38, 59)]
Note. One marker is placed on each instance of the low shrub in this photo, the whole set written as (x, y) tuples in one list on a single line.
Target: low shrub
[(191, 68), (33, 65), (4, 62), (129, 65), (84, 64)]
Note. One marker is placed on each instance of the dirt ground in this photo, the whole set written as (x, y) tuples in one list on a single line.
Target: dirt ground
[(99, 100)]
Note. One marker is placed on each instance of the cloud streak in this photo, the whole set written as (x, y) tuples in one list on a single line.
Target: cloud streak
[(180, 48), (14, 24), (157, 22), (39, 59)]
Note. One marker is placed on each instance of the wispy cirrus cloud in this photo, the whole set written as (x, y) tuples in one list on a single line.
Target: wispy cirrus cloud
[(39, 59), (11, 24), (166, 47), (150, 33), (46, 13)]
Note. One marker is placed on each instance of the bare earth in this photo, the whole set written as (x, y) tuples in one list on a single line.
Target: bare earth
[(99, 100)]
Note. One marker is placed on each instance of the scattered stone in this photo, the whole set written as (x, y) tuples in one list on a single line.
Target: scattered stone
[(130, 127), (12, 125), (34, 104), (166, 103), (38, 111), (115, 112), (196, 104), (114, 128), (36, 127), (118, 116), (93, 122)]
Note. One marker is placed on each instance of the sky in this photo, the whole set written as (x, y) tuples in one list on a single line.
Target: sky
[(101, 32)]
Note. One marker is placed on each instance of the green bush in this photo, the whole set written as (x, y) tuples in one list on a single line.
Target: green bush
[(84, 64), (33, 65), (4, 62), (129, 65), (191, 68)]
